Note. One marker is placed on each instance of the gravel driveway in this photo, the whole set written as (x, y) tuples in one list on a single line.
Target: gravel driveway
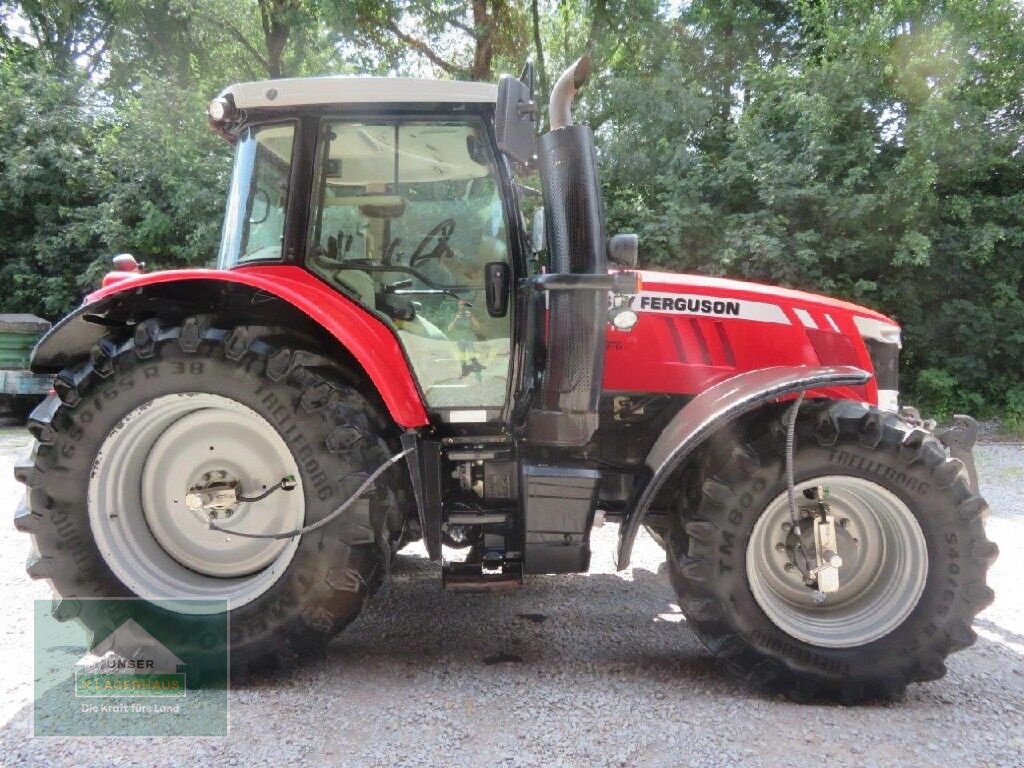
[(586, 670)]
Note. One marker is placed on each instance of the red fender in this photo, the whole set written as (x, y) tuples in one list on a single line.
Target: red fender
[(371, 342)]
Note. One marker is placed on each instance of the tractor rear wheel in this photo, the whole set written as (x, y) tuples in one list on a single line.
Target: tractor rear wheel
[(132, 433), (909, 532)]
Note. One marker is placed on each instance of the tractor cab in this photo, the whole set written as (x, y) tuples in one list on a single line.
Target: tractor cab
[(400, 196), (394, 193)]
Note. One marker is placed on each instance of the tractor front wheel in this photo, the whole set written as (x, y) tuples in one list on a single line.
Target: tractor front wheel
[(156, 436), (908, 537)]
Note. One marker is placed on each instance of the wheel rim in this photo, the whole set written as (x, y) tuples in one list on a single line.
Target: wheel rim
[(147, 535), (885, 566)]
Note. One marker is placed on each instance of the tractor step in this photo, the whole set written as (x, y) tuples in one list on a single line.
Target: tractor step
[(471, 577)]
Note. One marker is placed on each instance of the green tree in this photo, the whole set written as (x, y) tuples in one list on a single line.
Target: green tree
[(457, 39), (48, 182), (867, 150)]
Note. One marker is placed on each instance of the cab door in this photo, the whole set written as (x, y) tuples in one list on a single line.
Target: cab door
[(407, 215)]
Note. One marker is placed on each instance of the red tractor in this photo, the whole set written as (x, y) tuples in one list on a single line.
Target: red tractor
[(380, 356)]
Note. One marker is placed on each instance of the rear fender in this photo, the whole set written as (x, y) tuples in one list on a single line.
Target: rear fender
[(707, 413), (370, 341)]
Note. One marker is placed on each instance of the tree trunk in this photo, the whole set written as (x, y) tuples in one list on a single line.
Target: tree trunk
[(275, 33), (485, 28)]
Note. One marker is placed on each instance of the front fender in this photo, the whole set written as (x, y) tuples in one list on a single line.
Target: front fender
[(706, 414), (372, 343)]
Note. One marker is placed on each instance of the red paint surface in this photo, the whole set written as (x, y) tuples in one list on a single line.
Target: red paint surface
[(371, 342), (672, 353), (686, 354)]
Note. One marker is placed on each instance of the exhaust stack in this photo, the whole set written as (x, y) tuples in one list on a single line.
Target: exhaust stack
[(563, 94), (565, 412)]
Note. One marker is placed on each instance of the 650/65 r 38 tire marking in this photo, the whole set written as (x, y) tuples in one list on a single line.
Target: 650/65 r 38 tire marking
[(125, 399)]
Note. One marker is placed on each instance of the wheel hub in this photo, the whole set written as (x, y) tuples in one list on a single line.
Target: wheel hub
[(874, 560), (214, 495), (167, 470), (818, 546)]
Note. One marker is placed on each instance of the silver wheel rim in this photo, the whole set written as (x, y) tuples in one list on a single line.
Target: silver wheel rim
[(880, 582), (146, 534)]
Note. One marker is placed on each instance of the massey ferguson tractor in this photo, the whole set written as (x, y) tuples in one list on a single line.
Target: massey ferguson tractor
[(385, 353)]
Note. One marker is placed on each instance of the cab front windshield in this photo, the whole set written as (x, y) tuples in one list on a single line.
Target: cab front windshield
[(254, 220), (407, 215)]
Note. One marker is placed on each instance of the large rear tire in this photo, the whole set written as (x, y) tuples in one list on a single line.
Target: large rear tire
[(914, 568), (146, 415)]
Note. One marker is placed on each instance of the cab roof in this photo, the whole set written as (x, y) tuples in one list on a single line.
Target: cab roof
[(313, 91)]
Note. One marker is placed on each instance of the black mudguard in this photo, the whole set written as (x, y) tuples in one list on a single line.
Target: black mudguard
[(705, 415)]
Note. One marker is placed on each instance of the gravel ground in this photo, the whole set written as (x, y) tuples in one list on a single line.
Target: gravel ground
[(587, 670)]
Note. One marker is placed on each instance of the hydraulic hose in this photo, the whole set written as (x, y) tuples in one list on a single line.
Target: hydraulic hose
[(794, 516), (324, 521), (790, 447)]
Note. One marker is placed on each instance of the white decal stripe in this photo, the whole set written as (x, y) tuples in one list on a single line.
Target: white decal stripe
[(832, 322), (702, 305), (805, 318), (870, 328)]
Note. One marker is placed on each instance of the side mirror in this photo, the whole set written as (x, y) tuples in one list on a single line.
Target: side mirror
[(497, 279), (515, 117), (538, 237), (623, 249)]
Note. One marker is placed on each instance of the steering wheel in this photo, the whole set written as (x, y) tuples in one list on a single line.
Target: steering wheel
[(442, 231)]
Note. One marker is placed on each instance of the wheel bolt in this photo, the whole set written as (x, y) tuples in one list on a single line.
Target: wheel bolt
[(786, 526), (780, 547), (843, 522), (789, 567)]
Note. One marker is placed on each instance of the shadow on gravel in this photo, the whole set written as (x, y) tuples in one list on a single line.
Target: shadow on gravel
[(570, 621), (597, 623)]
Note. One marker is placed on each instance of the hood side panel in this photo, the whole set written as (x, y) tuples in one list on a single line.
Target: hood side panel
[(695, 331)]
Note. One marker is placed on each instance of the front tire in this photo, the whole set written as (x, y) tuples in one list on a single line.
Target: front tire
[(146, 415), (913, 581)]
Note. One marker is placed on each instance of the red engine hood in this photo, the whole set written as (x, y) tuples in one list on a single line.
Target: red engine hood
[(695, 331), (671, 282)]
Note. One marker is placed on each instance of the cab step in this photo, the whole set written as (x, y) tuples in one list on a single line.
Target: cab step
[(473, 577)]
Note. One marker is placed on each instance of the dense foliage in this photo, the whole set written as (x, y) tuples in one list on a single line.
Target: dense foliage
[(871, 150)]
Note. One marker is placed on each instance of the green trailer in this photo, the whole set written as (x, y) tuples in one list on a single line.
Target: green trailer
[(20, 389)]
